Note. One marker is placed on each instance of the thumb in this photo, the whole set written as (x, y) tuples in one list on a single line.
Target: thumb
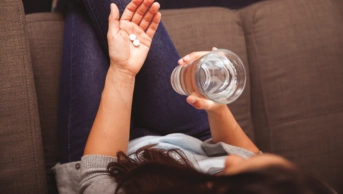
[(113, 19), (191, 100), (197, 102)]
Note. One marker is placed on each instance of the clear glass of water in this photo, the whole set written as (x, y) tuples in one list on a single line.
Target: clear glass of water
[(219, 76)]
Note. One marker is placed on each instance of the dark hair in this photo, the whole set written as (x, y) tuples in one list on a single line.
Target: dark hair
[(169, 171)]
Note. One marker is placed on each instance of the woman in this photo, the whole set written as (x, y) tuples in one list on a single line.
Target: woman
[(145, 138)]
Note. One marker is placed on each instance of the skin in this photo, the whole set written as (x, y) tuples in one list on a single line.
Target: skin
[(235, 164), (111, 128)]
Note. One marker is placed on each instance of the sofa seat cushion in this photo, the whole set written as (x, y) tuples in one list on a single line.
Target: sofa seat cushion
[(200, 29), (45, 34)]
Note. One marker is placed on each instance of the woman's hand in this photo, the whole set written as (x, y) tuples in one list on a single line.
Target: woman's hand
[(141, 17), (111, 128), (196, 100)]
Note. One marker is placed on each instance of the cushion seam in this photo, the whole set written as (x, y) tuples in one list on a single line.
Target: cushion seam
[(260, 80), (192, 10), (305, 118), (39, 21), (31, 127)]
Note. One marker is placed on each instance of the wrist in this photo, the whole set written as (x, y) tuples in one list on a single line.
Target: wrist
[(217, 109), (118, 84), (117, 75), (120, 70)]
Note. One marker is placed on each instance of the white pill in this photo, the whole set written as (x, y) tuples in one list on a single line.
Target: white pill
[(136, 42), (133, 37)]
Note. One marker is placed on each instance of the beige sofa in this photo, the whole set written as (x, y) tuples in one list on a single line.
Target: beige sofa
[(292, 105)]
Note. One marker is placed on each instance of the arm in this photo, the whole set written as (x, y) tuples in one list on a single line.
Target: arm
[(111, 127), (223, 125), (110, 131), (224, 128)]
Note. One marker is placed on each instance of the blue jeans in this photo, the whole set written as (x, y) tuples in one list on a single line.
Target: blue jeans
[(156, 110)]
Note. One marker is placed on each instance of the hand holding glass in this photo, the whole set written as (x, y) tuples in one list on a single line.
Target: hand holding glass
[(219, 76)]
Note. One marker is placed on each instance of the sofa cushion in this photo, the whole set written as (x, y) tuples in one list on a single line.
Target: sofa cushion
[(200, 29), (22, 162), (295, 50), (45, 33)]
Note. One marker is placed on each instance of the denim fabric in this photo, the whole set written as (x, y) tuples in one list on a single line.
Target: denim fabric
[(157, 109)]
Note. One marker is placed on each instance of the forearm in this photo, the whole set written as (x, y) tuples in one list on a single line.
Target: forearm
[(111, 128), (224, 128)]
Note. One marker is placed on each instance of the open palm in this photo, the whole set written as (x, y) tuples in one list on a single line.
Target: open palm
[(141, 17)]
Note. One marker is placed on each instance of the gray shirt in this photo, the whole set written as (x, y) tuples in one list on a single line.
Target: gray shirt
[(90, 174)]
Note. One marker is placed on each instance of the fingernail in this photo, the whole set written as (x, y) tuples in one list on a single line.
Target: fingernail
[(186, 57), (192, 100)]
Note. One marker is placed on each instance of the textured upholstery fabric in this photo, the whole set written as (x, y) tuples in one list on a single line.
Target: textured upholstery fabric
[(295, 51), (200, 29), (295, 54), (232, 4), (45, 33), (22, 162)]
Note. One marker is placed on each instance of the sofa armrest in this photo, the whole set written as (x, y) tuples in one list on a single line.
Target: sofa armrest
[(22, 163), (295, 50)]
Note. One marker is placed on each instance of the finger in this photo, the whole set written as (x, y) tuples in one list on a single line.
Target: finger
[(197, 102), (154, 24), (131, 9), (149, 16), (190, 58), (113, 18), (214, 48), (141, 11), (191, 100)]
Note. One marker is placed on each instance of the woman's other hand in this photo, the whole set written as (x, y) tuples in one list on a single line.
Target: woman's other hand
[(197, 100), (141, 17), (223, 126)]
